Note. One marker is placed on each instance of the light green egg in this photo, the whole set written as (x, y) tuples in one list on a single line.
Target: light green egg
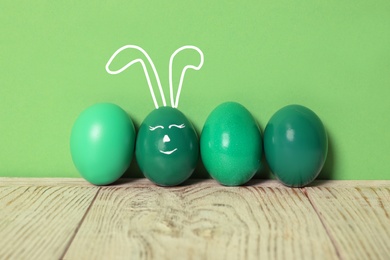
[(102, 143), (231, 144)]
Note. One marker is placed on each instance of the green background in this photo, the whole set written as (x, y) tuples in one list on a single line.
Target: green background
[(331, 56)]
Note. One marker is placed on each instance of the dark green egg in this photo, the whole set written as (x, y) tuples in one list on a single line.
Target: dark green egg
[(167, 147), (295, 145)]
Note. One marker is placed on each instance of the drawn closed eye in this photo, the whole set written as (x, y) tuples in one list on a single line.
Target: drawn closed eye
[(152, 128), (177, 126)]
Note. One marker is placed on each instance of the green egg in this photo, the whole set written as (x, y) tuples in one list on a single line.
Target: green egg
[(231, 145), (102, 143), (167, 147), (295, 145)]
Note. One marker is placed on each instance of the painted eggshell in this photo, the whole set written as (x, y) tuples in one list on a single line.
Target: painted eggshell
[(231, 144), (102, 143), (295, 145), (167, 147)]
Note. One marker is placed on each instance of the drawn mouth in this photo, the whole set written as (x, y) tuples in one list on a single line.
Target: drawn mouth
[(168, 152)]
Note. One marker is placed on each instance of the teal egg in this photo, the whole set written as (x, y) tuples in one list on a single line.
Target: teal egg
[(231, 144), (295, 145), (167, 147), (102, 143)]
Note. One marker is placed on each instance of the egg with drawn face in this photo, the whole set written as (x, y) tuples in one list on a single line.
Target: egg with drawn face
[(167, 147)]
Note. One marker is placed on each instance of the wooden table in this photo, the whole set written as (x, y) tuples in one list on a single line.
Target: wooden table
[(134, 219)]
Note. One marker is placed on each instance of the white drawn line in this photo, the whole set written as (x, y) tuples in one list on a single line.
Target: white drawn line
[(175, 103), (152, 128), (144, 68), (168, 152), (177, 126)]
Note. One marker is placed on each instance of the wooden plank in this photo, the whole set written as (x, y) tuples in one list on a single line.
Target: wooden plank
[(357, 219), (126, 182), (39, 222), (5, 181), (201, 221), (350, 183)]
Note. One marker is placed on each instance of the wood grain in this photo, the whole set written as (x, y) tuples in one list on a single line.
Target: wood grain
[(38, 222), (357, 219), (142, 182), (201, 221), (73, 182), (55, 218)]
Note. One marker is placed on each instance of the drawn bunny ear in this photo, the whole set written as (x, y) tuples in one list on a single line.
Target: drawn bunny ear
[(175, 103), (114, 72)]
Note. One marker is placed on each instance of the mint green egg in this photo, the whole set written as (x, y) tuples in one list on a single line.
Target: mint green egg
[(102, 143), (231, 144), (295, 145), (167, 147)]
